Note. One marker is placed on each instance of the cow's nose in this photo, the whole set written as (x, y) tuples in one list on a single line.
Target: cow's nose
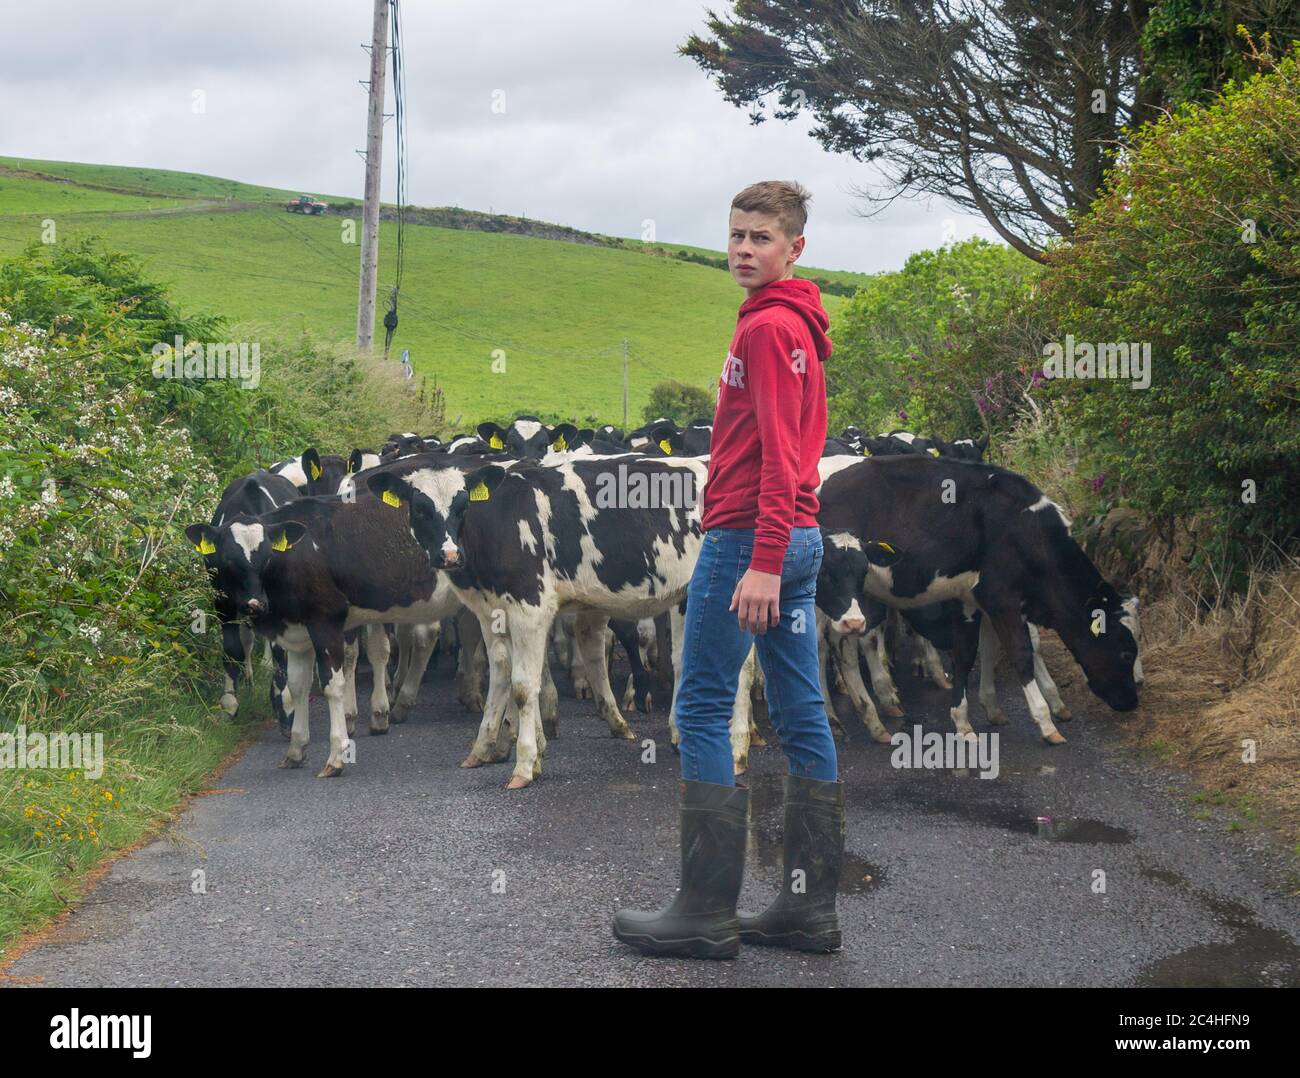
[(853, 625), (450, 555), (254, 606)]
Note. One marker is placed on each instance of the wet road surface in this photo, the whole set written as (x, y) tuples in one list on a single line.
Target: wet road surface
[(410, 871)]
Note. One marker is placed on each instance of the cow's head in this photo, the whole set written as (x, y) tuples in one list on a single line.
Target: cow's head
[(527, 437), (438, 499), (971, 449), (841, 581), (401, 445), (324, 473), (1105, 647), (238, 554), (664, 439)]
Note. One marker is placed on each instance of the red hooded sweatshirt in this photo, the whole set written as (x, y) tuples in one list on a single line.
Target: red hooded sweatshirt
[(769, 428)]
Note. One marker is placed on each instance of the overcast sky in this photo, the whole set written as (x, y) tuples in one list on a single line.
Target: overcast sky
[(604, 126)]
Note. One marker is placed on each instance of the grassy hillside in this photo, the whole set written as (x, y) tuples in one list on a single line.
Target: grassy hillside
[(556, 311)]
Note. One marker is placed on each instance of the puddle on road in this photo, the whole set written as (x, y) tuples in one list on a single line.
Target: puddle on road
[(1255, 957), (1018, 821)]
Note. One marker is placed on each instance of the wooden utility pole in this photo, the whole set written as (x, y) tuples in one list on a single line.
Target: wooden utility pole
[(374, 153)]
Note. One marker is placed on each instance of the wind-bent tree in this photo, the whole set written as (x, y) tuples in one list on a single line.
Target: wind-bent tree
[(1008, 108)]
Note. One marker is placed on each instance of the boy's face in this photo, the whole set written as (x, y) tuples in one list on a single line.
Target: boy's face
[(758, 251)]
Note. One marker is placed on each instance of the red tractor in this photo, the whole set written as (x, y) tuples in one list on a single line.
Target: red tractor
[(306, 204)]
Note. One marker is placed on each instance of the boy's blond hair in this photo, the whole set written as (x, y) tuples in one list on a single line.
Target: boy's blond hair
[(785, 200)]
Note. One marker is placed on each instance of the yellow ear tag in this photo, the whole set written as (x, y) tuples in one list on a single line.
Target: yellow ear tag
[(559, 445), (1096, 627), (206, 546), (495, 442), (392, 499), (865, 451), (282, 543), (932, 451), (887, 548), (315, 471), (349, 467), (666, 446), (479, 493)]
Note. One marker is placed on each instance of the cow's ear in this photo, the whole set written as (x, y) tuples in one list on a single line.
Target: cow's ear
[(390, 489), (311, 463), (880, 553), (493, 435), (562, 435), (203, 536), (483, 481), (982, 443), (283, 536), (355, 459), (583, 437)]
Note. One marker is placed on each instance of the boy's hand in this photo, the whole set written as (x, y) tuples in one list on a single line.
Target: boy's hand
[(756, 600)]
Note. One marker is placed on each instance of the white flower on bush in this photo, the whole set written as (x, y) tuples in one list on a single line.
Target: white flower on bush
[(7, 488)]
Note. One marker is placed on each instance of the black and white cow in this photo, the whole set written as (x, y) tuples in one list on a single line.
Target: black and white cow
[(991, 541), (308, 573), (258, 492), (611, 536), (528, 437)]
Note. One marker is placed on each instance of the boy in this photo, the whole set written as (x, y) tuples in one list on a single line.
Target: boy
[(754, 584)]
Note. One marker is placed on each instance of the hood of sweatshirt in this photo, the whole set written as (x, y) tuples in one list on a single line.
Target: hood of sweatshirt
[(801, 296)]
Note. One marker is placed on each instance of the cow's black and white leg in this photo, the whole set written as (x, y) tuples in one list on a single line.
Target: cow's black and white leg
[(527, 626), (232, 663), (677, 628), (633, 636), (351, 652), (281, 698), (1045, 683), (742, 713), (965, 646), (872, 647), (931, 664), (299, 666), (823, 656), (492, 744), (330, 647), (470, 661), (246, 646), (1013, 634), (844, 650), (417, 643), (589, 636), (989, 652), (377, 648)]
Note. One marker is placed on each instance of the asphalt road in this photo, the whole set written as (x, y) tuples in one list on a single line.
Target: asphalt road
[(410, 871)]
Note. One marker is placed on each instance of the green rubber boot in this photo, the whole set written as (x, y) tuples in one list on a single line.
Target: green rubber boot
[(803, 915), (700, 922)]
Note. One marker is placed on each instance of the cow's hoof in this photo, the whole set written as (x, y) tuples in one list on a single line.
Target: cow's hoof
[(472, 761), (330, 771), (1064, 715), (742, 766), (379, 722), (289, 761), (884, 737), (377, 731), (230, 704), (518, 782), (996, 718), (757, 740), (1054, 738), (892, 711), (626, 733), (400, 712)]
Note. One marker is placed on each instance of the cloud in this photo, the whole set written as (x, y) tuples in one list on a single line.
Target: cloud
[(604, 125)]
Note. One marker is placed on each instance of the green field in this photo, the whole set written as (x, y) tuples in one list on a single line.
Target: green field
[(554, 312)]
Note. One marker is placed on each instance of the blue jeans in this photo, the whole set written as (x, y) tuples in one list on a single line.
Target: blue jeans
[(715, 647)]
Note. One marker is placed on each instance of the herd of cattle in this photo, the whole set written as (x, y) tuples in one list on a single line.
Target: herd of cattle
[(517, 537)]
